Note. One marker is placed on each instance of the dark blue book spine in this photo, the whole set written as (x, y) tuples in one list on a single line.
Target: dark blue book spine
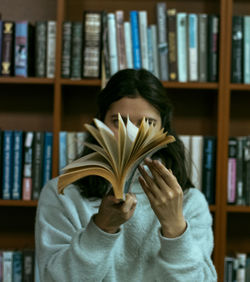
[(7, 163), (17, 266), (47, 168), (135, 39), (17, 165), (209, 168)]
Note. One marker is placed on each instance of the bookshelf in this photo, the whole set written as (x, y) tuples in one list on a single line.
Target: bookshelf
[(57, 104)]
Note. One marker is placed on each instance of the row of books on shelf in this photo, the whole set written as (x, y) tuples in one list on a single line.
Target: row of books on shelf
[(178, 47), (18, 265), (26, 49), (237, 268), (25, 163)]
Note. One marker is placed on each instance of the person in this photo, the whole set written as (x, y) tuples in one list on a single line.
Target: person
[(162, 231)]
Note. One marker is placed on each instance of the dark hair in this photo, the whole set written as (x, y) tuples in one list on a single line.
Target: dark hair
[(133, 83)]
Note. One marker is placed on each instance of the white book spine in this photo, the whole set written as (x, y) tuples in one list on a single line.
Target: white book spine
[(71, 147), (128, 44), (196, 163), (182, 56), (51, 49), (112, 41), (246, 48), (150, 50), (143, 24), (186, 140), (7, 266), (154, 40), (193, 46)]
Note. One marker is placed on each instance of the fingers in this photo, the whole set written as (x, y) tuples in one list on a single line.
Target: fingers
[(129, 203)]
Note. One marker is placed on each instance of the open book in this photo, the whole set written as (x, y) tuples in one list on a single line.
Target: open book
[(116, 159)]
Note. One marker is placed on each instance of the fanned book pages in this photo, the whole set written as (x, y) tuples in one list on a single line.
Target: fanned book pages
[(116, 159)]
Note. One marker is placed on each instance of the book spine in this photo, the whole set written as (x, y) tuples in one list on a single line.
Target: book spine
[(7, 266), (119, 16), (228, 269), (196, 160), (21, 49), (7, 180), (135, 39), (1, 266), (1, 43), (209, 168), (7, 48), (28, 265), (47, 169), (92, 32), (182, 55), (143, 25), (80, 138), (113, 53), (246, 48), (186, 140), (62, 150), (27, 167), (240, 197), (17, 266), (202, 46), (172, 52), (37, 164), (51, 49), (105, 69), (17, 165), (237, 50), (150, 50), (161, 9), (71, 147), (247, 169), (213, 40), (193, 46), (76, 49), (40, 48), (1, 161), (154, 40), (231, 175), (128, 44), (66, 49)]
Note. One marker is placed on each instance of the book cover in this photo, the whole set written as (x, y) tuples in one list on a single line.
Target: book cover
[(7, 181), (51, 49), (37, 164), (172, 45), (112, 45), (17, 266), (47, 157), (202, 46), (143, 25), (23, 49), (182, 52), (237, 50), (7, 48), (128, 44), (246, 50), (134, 20), (115, 160), (40, 48), (92, 44), (119, 19), (213, 47), (66, 49), (17, 165), (161, 13), (27, 166), (209, 168), (193, 47), (76, 50), (231, 174)]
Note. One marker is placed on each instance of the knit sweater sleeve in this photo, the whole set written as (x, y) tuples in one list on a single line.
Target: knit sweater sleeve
[(67, 248), (188, 257)]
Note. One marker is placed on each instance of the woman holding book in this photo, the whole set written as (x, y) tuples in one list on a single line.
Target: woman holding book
[(162, 231)]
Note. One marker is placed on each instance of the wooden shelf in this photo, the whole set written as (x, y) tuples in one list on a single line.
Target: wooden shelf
[(238, 209), (240, 86), (191, 85), (26, 80), (81, 82), (18, 203), (212, 208)]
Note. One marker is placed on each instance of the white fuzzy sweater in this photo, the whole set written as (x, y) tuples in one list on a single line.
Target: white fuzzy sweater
[(71, 248)]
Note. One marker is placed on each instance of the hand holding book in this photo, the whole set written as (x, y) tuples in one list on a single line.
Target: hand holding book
[(116, 159)]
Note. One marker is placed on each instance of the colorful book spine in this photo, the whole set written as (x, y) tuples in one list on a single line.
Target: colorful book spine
[(7, 181), (119, 16), (247, 169), (113, 53), (17, 165), (66, 49), (128, 44), (193, 46), (92, 33), (231, 175), (135, 39), (237, 50), (7, 48), (143, 25), (51, 49), (182, 55), (161, 13), (48, 146), (246, 48), (62, 150), (40, 48), (202, 46)]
